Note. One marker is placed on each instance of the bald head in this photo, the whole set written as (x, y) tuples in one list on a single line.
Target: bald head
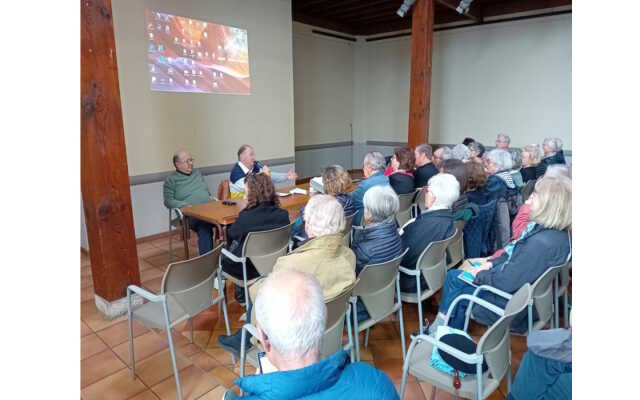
[(290, 311), (183, 161)]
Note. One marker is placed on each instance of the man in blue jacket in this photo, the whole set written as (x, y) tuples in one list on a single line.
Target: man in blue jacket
[(373, 169), (291, 317)]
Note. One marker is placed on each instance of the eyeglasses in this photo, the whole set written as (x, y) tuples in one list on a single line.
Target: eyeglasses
[(188, 161)]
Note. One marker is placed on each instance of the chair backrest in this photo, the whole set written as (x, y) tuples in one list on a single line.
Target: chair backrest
[(455, 249), (502, 224), (527, 189), (542, 293), (433, 263), (224, 193), (264, 247), (419, 199), (191, 281), (476, 231), (494, 344), (376, 286), (336, 311), (404, 211), (348, 225)]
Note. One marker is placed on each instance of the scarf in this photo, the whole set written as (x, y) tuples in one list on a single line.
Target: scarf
[(509, 247)]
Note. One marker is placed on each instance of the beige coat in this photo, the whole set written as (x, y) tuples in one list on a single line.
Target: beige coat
[(326, 258)]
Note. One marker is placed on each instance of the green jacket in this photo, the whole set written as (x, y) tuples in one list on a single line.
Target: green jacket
[(181, 190)]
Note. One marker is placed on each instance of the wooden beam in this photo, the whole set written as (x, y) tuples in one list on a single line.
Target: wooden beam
[(104, 176), (512, 7), (341, 11), (323, 23), (383, 27), (473, 12), (421, 53)]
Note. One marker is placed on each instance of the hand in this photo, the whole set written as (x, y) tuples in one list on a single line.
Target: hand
[(482, 267), (291, 175), (266, 170)]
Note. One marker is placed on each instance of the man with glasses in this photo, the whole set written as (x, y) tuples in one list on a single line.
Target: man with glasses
[(185, 187), (247, 164)]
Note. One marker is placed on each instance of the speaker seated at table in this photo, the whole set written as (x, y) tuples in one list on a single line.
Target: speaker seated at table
[(247, 164)]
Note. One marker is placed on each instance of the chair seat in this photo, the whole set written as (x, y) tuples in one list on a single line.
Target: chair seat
[(420, 368), (413, 297), (152, 314)]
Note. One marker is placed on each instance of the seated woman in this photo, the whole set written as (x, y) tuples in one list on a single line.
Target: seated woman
[(498, 162), (477, 152), (262, 212), (461, 209), (335, 182), (543, 244), (476, 180), (432, 225), (401, 178), (553, 154), (530, 161)]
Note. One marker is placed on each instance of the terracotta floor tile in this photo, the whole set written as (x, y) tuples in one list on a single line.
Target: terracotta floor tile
[(200, 338), (143, 346), (84, 329), (393, 368), (382, 349), (153, 285), (90, 345), (149, 274), (143, 265), (412, 391), (94, 318), (85, 271), (119, 333), (146, 395), (426, 390), (248, 369), (86, 281), (98, 366), (215, 394), (194, 384), (204, 361), (86, 293), (158, 367), (224, 376), (118, 386), (222, 356)]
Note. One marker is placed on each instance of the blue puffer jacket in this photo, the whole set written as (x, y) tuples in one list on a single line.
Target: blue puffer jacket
[(357, 195), (333, 378), (376, 244)]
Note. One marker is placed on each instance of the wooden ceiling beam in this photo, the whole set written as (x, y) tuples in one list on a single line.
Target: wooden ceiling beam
[(363, 16), (323, 23), (383, 27), (512, 7), (473, 13), (339, 10)]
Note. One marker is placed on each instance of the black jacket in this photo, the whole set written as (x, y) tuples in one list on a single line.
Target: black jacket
[(401, 183), (424, 173), (557, 158), (532, 255), (376, 244), (529, 174), (262, 217)]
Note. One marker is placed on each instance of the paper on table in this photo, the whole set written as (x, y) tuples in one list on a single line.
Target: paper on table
[(298, 191)]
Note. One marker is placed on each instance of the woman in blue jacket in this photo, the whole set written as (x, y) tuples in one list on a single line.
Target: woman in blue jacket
[(545, 243)]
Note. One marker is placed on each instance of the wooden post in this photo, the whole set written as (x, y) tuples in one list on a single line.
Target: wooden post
[(420, 92), (104, 175)]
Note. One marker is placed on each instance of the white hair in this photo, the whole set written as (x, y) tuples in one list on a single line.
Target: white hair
[(381, 202), (503, 138), (290, 310), (461, 152), (501, 158), (445, 188), (323, 215), (555, 144), (446, 153), (558, 170), (375, 159)]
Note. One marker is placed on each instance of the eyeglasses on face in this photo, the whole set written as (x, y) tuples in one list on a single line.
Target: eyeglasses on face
[(188, 161)]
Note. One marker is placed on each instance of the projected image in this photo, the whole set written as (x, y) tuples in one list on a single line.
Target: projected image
[(187, 55)]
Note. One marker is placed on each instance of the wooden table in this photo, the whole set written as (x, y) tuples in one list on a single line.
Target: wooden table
[(221, 216)]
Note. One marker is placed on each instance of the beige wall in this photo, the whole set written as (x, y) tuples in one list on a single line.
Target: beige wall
[(212, 126)]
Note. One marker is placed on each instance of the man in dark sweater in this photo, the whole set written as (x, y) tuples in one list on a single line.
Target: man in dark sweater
[(185, 187), (425, 168)]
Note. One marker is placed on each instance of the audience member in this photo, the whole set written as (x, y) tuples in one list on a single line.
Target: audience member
[(477, 178), (467, 141), (530, 160), (556, 170), (458, 169), (498, 164), (503, 141), (335, 182), (401, 177), (291, 320), (545, 369), (324, 256), (461, 152), (185, 187), (433, 225), (425, 168), (372, 168), (516, 176), (544, 243), (477, 152), (247, 163), (262, 212), (553, 154), (441, 154)]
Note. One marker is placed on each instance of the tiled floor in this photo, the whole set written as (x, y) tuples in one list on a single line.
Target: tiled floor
[(205, 369)]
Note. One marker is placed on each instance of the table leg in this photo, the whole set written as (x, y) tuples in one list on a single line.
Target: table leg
[(185, 236)]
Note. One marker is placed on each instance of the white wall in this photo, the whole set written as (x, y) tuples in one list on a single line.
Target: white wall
[(512, 77), (212, 126)]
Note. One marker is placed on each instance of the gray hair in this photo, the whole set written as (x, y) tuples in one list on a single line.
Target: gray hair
[(461, 152), (445, 188), (501, 158), (381, 202), (446, 153), (555, 144), (375, 159), (476, 147), (290, 310), (425, 149), (323, 215), (558, 170), (503, 138)]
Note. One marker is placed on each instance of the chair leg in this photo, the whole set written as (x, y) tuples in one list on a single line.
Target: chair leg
[(556, 302), (191, 330), (400, 319), (419, 292), (350, 334), (132, 358), (433, 392), (530, 316), (366, 338), (509, 376), (173, 362), (565, 298), (356, 333)]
